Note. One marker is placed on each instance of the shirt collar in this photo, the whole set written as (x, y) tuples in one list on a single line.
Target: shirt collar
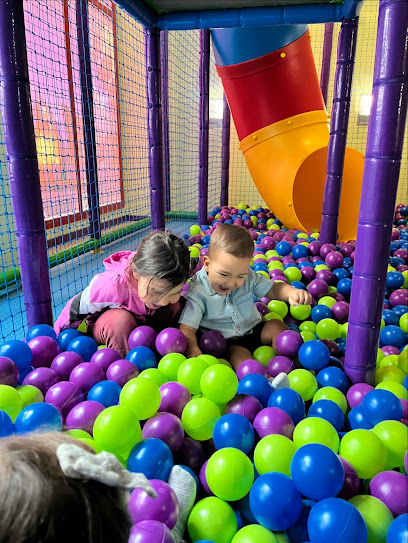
[(202, 274)]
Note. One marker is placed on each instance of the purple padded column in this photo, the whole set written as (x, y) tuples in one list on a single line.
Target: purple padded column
[(225, 152), (164, 53), (85, 71), (21, 151), (381, 172), (346, 53), (326, 61), (154, 127), (204, 119)]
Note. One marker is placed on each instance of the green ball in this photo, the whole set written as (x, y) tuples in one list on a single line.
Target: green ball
[(274, 453), (117, 429), (142, 396), (212, 519), (293, 274), (389, 373), (344, 330), (320, 267), (390, 360), (399, 390), (155, 375), (219, 384), (333, 394), (382, 323), (394, 436), (224, 362), (300, 312), (10, 401), (264, 354), (209, 358), (403, 361), (170, 364), (304, 383), (405, 274), (380, 355), (30, 394), (195, 230), (101, 347), (230, 474), (365, 451), (307, 336), (328, 329), (190, 372), (91, 443), (376, 515), (199, 417), (264, 273), (403, 322), (332, 289), (316, 430), (328, 301), (254, 533), (272, 316), (275, 265), (78, 434), (271, 253), (308, 326), (241, 205), (194, 252)]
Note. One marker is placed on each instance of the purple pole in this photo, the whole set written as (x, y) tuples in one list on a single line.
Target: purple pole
[(85, 71), (154, 127), (204, 119), (164, 51), (381, 172), (326, 61), (225, 152), (22, 160), (338, 130)]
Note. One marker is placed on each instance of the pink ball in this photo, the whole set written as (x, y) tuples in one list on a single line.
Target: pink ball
[(351, 486), (334, 259), (318, 288), (267, 243), (327, 248), (314, 248), (356, 393), (213, 342), (250, 366), (8, 372), (273, 420), (341, 312), (164, 508)]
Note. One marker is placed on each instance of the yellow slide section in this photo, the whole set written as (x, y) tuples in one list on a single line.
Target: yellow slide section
[(287, 161)]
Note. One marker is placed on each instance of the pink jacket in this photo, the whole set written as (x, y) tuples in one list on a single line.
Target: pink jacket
[(112, 288)]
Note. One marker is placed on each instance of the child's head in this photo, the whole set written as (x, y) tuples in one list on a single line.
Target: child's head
[(228, 258), (161, 267), (39, 503)]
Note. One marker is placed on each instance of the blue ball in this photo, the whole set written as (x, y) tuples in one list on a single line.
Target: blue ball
[(318, 263), (152, 457), (283, 248), (290, 265), (335, 363), (106, 392), (392, 335), (245, 509), (275, 502), (294, 327), (85, 346), (341, 343), (261, 221), (253, 213), (379, 405), (394, 280), (205, 240), (405, 383), (298, 532), (314, 355), (328, 410), (396, 261), (41, 330), (347, 262), (317, 471), (299, 285), (229, 221), (233, 430), (320, 312), (300, 251), (333, 376), (398, 530), (23, 374), (216, 210), (356, 419), (19, 352), (400, 310), (333, 516), (256, 385), (241, 212), (303, 264), (289, 401), (6, 425), (142, 357), (344, 287), (66, 336), (390, 317), (38, 417), (393, 247), (341, 273)]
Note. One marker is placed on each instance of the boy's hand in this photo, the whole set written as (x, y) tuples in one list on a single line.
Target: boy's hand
[(299, 297)]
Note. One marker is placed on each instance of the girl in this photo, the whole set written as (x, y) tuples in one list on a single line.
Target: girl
[(137, 288)]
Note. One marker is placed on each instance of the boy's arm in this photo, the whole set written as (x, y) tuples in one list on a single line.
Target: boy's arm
[(192, 346), (287, 293)]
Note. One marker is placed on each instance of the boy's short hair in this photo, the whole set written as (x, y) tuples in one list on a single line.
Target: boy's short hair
[(232, 239)]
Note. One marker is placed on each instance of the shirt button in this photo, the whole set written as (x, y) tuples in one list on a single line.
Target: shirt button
[(238, 328), (234, 313)]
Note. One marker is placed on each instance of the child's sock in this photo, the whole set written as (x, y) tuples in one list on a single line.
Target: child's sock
[(185, 489), (280, 381)]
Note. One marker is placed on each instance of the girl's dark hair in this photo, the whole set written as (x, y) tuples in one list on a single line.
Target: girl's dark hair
[(39, 504), (163, 255)]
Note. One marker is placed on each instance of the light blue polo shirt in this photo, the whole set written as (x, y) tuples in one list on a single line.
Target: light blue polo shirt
[(233, 314)]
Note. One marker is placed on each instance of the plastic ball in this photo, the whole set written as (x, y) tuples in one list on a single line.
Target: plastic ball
[(250, 366), (254, 534), (333, 516), (42, 378), (273, 420), (276, 306), (332, 376), (85, 346), (64, 363), (290, 401), (41, 330), (288, 343), (142, 358), (104, 357), (316, 430), (395, 388), (212, 519), (199, 418), (245, 405), (116, 430), (301, 312), (365, 452), (391, 488), (356, 393), (394, 436), (213, 342), (152, 457), (167, 427), (106, 392), (304, 383), (380, 405), (314, 355), (230, 474), (142, 336), (83, 416), (328, 410), (6, 425), (256, 385), (274, 453), (333, 394), (190, 373), (275, 502), (44, 350), (141, 396), (170, 364), (398, 530), (150, 531), (264, 354), (219, 383), (64, 396), (19, 352), (164, 508), (38, 417), (351, 486), (233, 430), (174, 397), (10, 401), (283, 248), (280, 364), (318, 288), (356, 419), (376, 515), (171, 340), (392, 335), (86, 375), (403, 323), (30, 394), (344, 287), (8, 372)]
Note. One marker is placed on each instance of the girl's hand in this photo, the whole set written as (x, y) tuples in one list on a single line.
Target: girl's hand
[(299, 297)]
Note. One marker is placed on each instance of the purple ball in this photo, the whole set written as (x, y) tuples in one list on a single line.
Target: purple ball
[(308, 273), (276, 273), (334, 259), (351, 486), (327, 248), (288, 343), (191, 453), (250, 366), (142, 336), (83, 416), (356, 393), (314, 248), (341, 311), (9, 373), (150, 531), (203, 479), (262, 308), (391, 488), (167, 427), (245, 405), (103, 358), (338, 297), (86, 375), (332, 346), (390, 349), (171, 340), (273, 420), (64, 396), (347, 249), (404, 404), (399, 297), (318, 288), (44, 350), (174, 398), (279, 364), (164, 508), (213, 342), (64, 363), (267, 243), (327, 276), (121, 371), (42, 378), (406, 462)]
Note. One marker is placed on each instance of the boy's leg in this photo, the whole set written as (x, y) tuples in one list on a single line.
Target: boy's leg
[(237, 354), (112, 329), (271, 331)]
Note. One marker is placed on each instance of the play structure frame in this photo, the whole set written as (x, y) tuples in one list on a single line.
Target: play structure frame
[(382, 161)]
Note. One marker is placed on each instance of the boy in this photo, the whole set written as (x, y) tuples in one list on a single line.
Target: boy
[(220, 297)]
